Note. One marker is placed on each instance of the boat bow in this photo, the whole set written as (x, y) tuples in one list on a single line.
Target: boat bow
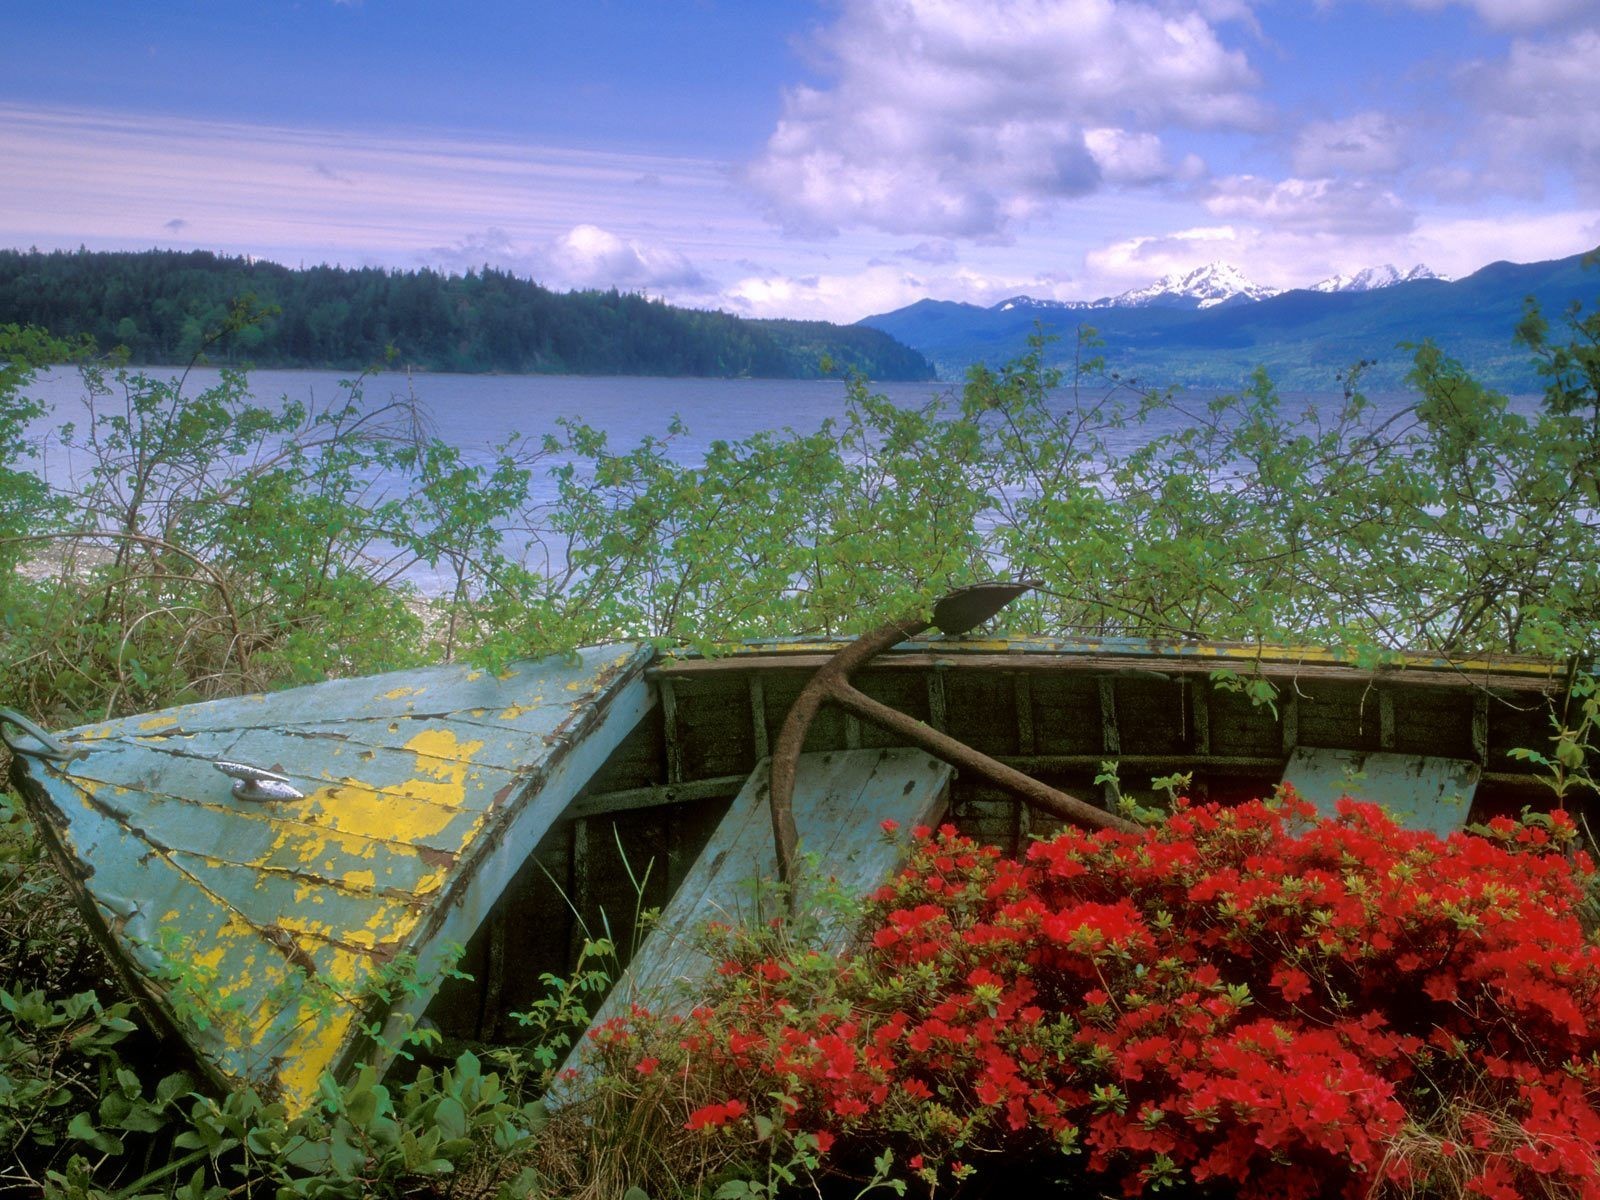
[(283, 930)]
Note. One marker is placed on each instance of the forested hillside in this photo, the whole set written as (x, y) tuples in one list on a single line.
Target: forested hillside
[(160, 304)]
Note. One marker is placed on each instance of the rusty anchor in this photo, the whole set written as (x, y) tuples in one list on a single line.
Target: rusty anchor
[(956, 613)]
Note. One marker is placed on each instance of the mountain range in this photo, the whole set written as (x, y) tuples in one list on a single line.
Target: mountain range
[(1212, 326), (1216, 284)]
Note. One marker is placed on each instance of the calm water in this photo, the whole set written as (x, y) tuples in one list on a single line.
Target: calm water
[(478, 412)]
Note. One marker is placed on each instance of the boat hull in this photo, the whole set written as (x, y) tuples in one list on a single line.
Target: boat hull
[(510, 817)]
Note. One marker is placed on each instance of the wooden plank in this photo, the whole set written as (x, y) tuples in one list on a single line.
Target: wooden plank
[(1110, 735), (1045, 764), (1200, 698), (495, 979), (1021, 827), (670, 732), (1386, 718), (1420, 792), (937, 709), (1290, 708), (601, 803), (758, 716), (841, 799), (596, 804), (578, 868), (1480, 728), (1026, 738), (1027, 743), (1495, 672)]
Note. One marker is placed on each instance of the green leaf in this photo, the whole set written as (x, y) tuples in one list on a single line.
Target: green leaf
[(451, 1118)]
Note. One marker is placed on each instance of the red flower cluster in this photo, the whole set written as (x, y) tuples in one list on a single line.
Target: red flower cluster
[(713, 1115), (1300, 1009)]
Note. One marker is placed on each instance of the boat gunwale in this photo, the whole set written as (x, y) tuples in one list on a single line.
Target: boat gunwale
[(1023, 653)]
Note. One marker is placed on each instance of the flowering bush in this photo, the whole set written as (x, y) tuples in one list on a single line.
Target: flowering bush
[(1239, 996)]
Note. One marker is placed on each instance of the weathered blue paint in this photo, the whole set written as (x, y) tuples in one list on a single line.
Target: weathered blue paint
[(266, 931), (841, 800), (1419, 792)]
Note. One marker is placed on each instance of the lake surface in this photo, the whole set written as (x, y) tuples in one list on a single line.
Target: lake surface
[(476, 413)]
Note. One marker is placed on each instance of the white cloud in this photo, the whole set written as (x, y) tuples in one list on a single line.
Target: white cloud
[(961, 117), (1287, 257), (1366, 143), (490, 247), (1136, 261), (1540, 111), (1125, 157), (587, 256), (1460, 245), (850, 295), (1333, 206)]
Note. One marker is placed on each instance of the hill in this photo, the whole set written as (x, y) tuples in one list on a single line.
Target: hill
[(160, 304), (1303, 337)]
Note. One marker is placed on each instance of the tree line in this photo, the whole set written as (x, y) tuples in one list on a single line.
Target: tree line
[(162, 305)]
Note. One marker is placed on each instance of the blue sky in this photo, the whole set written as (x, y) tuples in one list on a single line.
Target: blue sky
[(811, 159)]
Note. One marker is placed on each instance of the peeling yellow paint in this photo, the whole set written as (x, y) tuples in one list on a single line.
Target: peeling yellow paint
[(164, 721), (298, 923), (390, 922), (415, 810), (316, 1049), (306, 844), (345, 971), (400, 693), (431, 882), (241, 982), (516, 710)]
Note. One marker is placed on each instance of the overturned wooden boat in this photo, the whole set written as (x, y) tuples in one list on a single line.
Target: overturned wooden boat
[(289, 913)]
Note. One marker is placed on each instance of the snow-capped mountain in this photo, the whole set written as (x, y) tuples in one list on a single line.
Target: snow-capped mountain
[(1204, 287), (1219, 283), (1030, 302), (1372, 278)]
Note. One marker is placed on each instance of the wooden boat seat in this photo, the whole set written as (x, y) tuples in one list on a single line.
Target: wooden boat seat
[(841, 800), (1419, 791)]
